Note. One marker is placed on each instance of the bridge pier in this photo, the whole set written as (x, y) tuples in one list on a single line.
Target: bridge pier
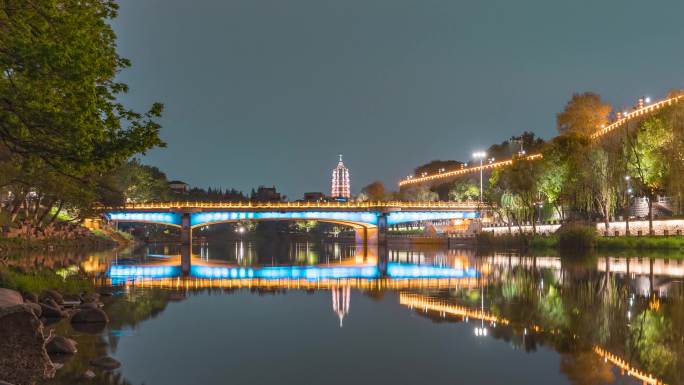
[(382, 229), (186, 243), (186, 229)]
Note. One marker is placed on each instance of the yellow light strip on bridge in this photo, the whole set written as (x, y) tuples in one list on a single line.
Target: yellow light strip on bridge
[(596, 135), (300, 205)]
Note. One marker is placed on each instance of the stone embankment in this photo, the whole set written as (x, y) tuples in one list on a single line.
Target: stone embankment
[(28, 352)]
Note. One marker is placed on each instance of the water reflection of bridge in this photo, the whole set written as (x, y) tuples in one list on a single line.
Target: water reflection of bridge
[(368, 276)]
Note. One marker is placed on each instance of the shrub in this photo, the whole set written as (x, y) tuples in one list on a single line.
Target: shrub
[(576, 237)]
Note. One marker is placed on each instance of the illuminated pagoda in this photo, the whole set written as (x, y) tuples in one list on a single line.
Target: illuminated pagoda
[(341, 187)]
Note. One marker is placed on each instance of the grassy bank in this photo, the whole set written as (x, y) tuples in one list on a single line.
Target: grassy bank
[(577, 238), (640, 243), (65, 281)]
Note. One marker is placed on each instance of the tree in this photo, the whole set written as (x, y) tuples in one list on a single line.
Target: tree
[(137, 182), (436, 166), (62, 130), (418, 194), (375, 191), (648, 159), (527, 141), (521, 180), (603, 186), (584, 114), (58, 91), (464, 190)]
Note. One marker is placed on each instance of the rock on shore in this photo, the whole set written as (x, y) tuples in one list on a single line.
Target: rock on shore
[(23, 358)]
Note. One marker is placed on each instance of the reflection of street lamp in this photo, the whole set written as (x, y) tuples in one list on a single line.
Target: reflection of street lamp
[(480, 155), (482, 330)]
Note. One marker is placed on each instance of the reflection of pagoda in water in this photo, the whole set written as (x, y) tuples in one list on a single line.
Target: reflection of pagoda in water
[(340, 301)]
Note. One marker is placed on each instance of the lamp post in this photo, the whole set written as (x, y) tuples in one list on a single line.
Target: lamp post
[(628, 193), (480, 155)]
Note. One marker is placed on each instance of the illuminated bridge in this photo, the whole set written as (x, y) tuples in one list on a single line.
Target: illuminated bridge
[(369, 219), (626, 118)]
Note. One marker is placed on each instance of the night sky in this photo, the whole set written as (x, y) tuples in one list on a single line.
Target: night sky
[(270, 91)]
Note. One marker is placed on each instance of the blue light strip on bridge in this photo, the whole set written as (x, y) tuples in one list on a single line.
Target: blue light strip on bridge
[(198, 219), (122, 273), (402, 270), (167, 218), (312, 273), (397, 217)]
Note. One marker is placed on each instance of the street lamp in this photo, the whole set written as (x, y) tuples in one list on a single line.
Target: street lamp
[(481, 155), (628, 193)]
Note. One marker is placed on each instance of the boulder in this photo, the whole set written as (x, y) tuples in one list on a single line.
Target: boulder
[(72, 297), (105, 363), (52, 294), (23, 358), (37, 310), (90, 297), (9, 297), (61, 345), (50, 302), (90, 305), (30, 297), (51, 311), (105, 292), (90, 315)]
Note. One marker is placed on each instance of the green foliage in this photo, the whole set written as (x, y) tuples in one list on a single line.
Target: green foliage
[(464, 191), (58, 87), (640, 243), (135, 182), (62, 129), (648, 155), (652, 338), (418, 194), (375, 191), (552, 310)]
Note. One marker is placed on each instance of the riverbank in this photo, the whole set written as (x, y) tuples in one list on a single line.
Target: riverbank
[(602, 243), (94, 239)]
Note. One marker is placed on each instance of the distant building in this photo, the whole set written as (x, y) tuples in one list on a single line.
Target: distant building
[(266, 194), (314, 197), (179, 187), (341, 186)]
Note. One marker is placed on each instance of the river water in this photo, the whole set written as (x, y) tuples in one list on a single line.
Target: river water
[(310, 313)]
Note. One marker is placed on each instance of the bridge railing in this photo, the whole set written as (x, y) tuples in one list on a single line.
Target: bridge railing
[(300, 205)]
